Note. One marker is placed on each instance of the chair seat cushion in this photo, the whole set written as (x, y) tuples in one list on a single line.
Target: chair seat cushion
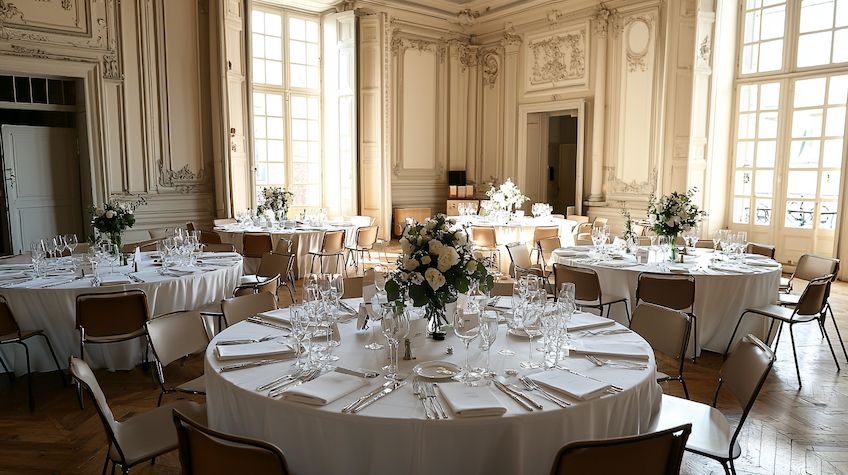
[(24, 335), (710, 429), (195, 385), (152, 433), (781, 313), (788, 299)]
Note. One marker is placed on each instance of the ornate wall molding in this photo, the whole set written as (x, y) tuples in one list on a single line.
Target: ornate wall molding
[(510, 39), (620, 187), (558, 58), (183, 180), (636, 58), (705, 49), (491, 67), (602, 22)]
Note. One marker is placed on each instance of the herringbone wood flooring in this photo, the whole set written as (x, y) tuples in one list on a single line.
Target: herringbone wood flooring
[(789, 431)]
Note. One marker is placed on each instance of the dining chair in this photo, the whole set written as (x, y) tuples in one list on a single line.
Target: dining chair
[(743, 374), (578, 218), (110, 317), (173, 336), (587, 288), (256, 244), (520, 257), (809, 267), (705, 244), (143, 246), (223, 221), (542, 232), (280, 264), (673, 291), (644, 241), (667, 331), (204, 451), (332, 245), (284, 246), (812, 307), (599, 222), (546, 247), (366, 236), (143, 436), (210, 237), (11, 333), (353, 285), (557, 216), (160, 233), (761, 249), (583, 234), (241, 308), (270, 285), (485, 239), (639, 229), (654, 453), (219, 248), (190, 226)]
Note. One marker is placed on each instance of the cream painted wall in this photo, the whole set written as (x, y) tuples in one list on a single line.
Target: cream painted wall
[(147, 105)]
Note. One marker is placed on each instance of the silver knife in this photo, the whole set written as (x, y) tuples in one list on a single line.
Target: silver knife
[(379, 396), (61, 283), (504, 383), (363, 398), (513, 396), (252, 364)]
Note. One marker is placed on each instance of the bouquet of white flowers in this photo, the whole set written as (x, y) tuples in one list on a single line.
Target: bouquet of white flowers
[(672, 214), (506, 197), (435, 266), (275, 199), (115, 217)]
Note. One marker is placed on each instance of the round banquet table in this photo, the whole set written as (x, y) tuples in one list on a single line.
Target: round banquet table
[(393, 436), (53, 309), (721, 294), (304, 239)]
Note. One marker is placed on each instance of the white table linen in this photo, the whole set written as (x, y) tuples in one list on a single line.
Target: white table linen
[(53, 309), (720, 297), (393, 436)]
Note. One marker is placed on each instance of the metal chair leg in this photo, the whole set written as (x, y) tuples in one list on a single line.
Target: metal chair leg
[(10, 374), (831, 349), (838, 335), (795, 354), (29, 377), (732, 335)]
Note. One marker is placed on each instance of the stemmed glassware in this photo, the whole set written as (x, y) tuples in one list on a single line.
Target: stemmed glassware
[(380, 273), (111, 252), (375, 318), (71, 242), (716, 239), (532, 319), (466, 325), (94, 257), (513, 320), (301, 330), (38, 253), (395, 326), (488, 335)]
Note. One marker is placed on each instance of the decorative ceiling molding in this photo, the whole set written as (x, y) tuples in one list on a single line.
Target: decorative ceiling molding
[(427, 31), (511, 39)]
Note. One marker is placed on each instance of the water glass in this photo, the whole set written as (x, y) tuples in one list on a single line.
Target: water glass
[(395, 326), (466, 325), (488, 335)]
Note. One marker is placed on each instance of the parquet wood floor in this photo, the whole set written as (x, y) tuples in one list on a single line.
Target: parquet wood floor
[(789, 431)]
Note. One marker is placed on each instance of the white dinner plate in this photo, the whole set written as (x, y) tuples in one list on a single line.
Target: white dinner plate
[(517, 332), (437, 369)]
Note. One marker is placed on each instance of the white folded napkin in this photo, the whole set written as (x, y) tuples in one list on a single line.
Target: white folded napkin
[(762, 263), (585, 321), (570, 384), (186, 269), (733, 269), (252, 279), (219, 255), (254, 350), (325, 389), (610, 348), (471, 401), (281, 315), (114, 279)]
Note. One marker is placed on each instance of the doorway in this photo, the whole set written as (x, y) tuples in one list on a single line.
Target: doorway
[(552, 158)]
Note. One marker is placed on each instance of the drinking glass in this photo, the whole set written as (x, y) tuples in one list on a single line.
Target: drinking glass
[(716, 239), (324, 286), (375, 318), (336, 288), (488, 335), (38, 253), (532, 326), (395, 326), (466, 325), (300, 330), (94, 257), (111, 252), (380, 278), (71, 241), (512, 322)]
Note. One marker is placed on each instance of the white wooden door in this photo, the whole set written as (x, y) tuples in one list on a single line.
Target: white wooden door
[(41, 182)]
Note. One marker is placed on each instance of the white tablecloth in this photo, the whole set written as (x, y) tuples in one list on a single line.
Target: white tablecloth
[(53, 310), (303, 241), (720, 297), (392, 436)]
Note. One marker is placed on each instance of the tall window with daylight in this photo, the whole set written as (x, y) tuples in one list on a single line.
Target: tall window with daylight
[(286, 103), (791, 95)]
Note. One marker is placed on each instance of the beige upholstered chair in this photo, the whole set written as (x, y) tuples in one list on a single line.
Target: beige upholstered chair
[(485, 240), (654, 453), (578, 218), (587, 288), (583, 234), (279, 264), (331, 246), (209, 237), (812, 306), (140, 438), (11, 333), (542, 232), (204, 451), (173, 336), (353, 285), (743, 374), (599, 222), (546, 247), (761, 249), (705, 244), (520, 257), (809, 267), (667, 331), (366, 236), (676, 292), (256, 244), (240, 308), (270, 285), (144, 246)]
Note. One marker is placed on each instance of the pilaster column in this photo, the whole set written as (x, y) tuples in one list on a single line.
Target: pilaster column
[(596, 189)]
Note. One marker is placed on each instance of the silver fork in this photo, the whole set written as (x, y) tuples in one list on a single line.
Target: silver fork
[(431, 394), (291, 384), (416, 389), (613, 388), (616, 364), (532, 386), (285, 377)]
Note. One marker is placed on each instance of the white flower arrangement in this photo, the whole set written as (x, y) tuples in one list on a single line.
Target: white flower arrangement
[(275, 199), (541, 209), (506, 197), (670, 215)]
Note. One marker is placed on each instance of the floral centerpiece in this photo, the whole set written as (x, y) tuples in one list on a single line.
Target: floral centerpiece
[(436, 265), (275, 199), (506, 197), (115, 217), (629, 235), (673, 214)]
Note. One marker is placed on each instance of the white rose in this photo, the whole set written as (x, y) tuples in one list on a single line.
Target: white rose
[(430, 224), (417, 278), (448, 258), (411, 264), (110, 214), (405, 246), (461, 239), (436, 247), (425, 260), (99, 211), (435, 278)]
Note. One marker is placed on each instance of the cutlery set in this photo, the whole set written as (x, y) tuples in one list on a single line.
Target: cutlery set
[(617, 364), (522, 399), (531, 385), (249, 364), (247, 341), (261, 321), (426, 392)]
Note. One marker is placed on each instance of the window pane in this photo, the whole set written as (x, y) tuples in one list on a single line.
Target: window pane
[(799, 214), (828, 216), (816, 15), (277, 173), (299, 130), (752, 26), (835, 121), (842, 13), (259, 127), (314, 110), (314, 130), (768, 125), (297, 52), (299, 173), (257, 22), (259, 151), (741, 209), (830, 185), (752, 4), (742, 183), (312, 31), (275, 105), (750, 58), (802, 184), (315, 152), (804, 154), (747, 126), (763, 215), (262, 173), (748, 98), (276, 151), (832, 156), (300, 151), (840, 54), (259, 71), (764, 183), (838, 90), (773, 20), (273, 48), (298, 107), (766, 154), (313, 78), (298, 75), (810, 92), (312, 56), (771, 55), (258, 46), (258, 103), (275, 128), (745, 154), (273, 25), (297, 29), (814, 49), (807, 123), (770, 98), (274, 72)]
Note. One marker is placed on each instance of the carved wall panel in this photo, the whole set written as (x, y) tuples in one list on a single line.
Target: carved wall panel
[(49, 16), (558, 61)]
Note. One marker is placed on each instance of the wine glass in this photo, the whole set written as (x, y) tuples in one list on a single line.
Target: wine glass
[(716, 239), (532, 326), (488, 335), (300, 329), (38, 253), (71, 242), (380, 278), (375, 318), (395, 327), (512, 322), (336, 288), (324, 286), (94, 257), (466, 325), (111, 254)]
